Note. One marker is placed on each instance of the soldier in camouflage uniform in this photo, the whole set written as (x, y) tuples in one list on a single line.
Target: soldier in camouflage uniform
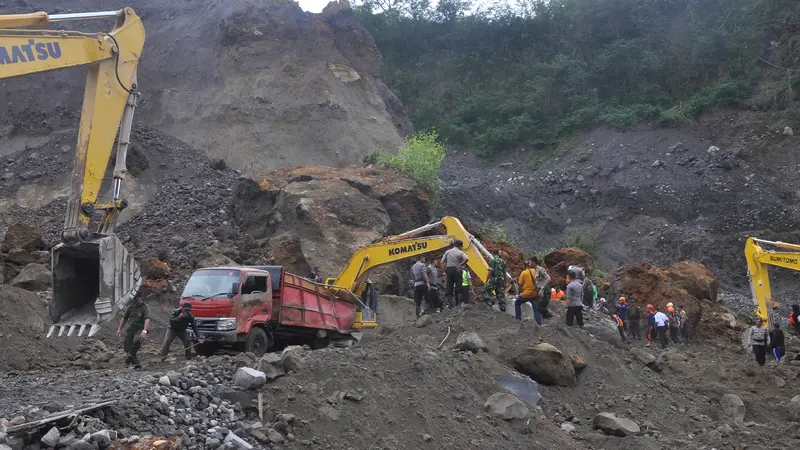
[(495, 287)]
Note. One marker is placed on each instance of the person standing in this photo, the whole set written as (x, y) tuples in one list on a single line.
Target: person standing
[(651, 326), (557, 293), (454, 260), (527, 281), (777, 341), (137, 317), (434, 298), (674, 323), (620, 326), (574, 301), (542, 286), (419, 273), (684, 318), (179, 321), (622, 310), (462, 296), (495, 288), (635, 321), (588, 291), (662, 321), (759, 340), (794, 319)]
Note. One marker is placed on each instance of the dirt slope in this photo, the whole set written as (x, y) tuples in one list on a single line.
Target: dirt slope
[(259, 83), (666, 194)]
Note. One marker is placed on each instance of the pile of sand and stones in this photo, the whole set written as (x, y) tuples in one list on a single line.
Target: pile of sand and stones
[(409, 386)]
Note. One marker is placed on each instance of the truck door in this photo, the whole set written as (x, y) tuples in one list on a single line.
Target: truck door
[(255, 301)]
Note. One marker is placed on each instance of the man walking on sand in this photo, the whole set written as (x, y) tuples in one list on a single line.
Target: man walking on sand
[(137, 316), (759, 339)]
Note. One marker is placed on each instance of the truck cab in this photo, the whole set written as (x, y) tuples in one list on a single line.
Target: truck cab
[(232, 306)]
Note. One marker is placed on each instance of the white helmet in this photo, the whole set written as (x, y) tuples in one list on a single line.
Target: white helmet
[(669, 304)]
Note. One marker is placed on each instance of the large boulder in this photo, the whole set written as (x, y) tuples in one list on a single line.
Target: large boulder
[(546, 364), (33, 277), (732, 407), (645, 283), (696, 279), (609, 423), (470, 341), (506, 407), (793, 408), (558, 263), (23, 236), (646, 358), (319, 216), (247, 378)]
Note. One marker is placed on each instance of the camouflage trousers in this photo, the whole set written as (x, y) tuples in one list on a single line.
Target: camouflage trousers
[(495, 292)]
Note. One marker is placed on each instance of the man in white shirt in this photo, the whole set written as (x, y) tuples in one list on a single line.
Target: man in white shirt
[(661, 326)]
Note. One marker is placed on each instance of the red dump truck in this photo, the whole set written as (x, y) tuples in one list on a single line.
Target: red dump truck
[(255, 308)]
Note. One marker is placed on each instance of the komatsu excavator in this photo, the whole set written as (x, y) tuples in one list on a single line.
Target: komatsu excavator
[(758, 260), (403, 246), (94, 276)]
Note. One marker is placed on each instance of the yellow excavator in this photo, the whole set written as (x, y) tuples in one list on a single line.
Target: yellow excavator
[(787, 256), (403, 246), (94, 276)]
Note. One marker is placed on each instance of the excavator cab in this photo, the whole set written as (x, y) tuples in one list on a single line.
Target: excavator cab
[(92, 281)]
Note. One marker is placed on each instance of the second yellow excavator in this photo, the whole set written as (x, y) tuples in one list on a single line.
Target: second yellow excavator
[(758, 262), (94, 276), (403, 246)]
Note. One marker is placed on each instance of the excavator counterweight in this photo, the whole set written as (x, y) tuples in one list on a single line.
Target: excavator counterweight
[(93, 275)]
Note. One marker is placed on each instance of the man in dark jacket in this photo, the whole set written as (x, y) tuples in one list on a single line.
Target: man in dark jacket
[(180, 320), (635, 321), (777, 342)]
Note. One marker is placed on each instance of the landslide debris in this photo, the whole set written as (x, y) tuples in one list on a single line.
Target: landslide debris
[(303, 88), (401, 390), (319, 216)]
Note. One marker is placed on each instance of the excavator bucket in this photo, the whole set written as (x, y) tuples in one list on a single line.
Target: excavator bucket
[(92, 281)]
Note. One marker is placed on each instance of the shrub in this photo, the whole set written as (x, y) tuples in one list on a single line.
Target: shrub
[(496, 232), (419, 159), (586, 239)]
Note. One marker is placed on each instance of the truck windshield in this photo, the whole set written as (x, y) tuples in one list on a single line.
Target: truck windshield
[(205, 283)]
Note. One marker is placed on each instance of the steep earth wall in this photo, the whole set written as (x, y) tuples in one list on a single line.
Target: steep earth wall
[(261, 84)]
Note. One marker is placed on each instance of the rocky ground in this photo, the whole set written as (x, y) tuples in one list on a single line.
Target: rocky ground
[(444, 389), (661, 194)]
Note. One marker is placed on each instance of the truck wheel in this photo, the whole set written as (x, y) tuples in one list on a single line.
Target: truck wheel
[(257, 342), (207, 349), (320, 343)]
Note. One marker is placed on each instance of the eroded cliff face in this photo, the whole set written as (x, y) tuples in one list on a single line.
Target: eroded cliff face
[(261, 84)]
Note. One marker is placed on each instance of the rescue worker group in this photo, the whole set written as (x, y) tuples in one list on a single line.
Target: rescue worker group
[(435, 289)]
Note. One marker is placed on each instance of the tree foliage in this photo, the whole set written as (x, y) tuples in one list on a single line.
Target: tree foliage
[(527, 76), (420, 159)]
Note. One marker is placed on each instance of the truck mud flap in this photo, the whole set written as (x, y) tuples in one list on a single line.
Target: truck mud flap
[(92, 282)]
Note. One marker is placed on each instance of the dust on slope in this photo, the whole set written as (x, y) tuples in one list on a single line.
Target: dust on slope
[(261, 84)]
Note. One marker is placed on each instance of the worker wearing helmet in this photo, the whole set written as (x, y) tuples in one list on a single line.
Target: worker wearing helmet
[(622, 310), (674, 323)]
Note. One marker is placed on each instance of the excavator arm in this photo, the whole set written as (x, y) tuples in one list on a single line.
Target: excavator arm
[(404, 246), (758, 261), (93, 274)]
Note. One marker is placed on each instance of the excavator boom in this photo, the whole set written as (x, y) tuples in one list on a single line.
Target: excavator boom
[(94, 276), (758, 262)]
